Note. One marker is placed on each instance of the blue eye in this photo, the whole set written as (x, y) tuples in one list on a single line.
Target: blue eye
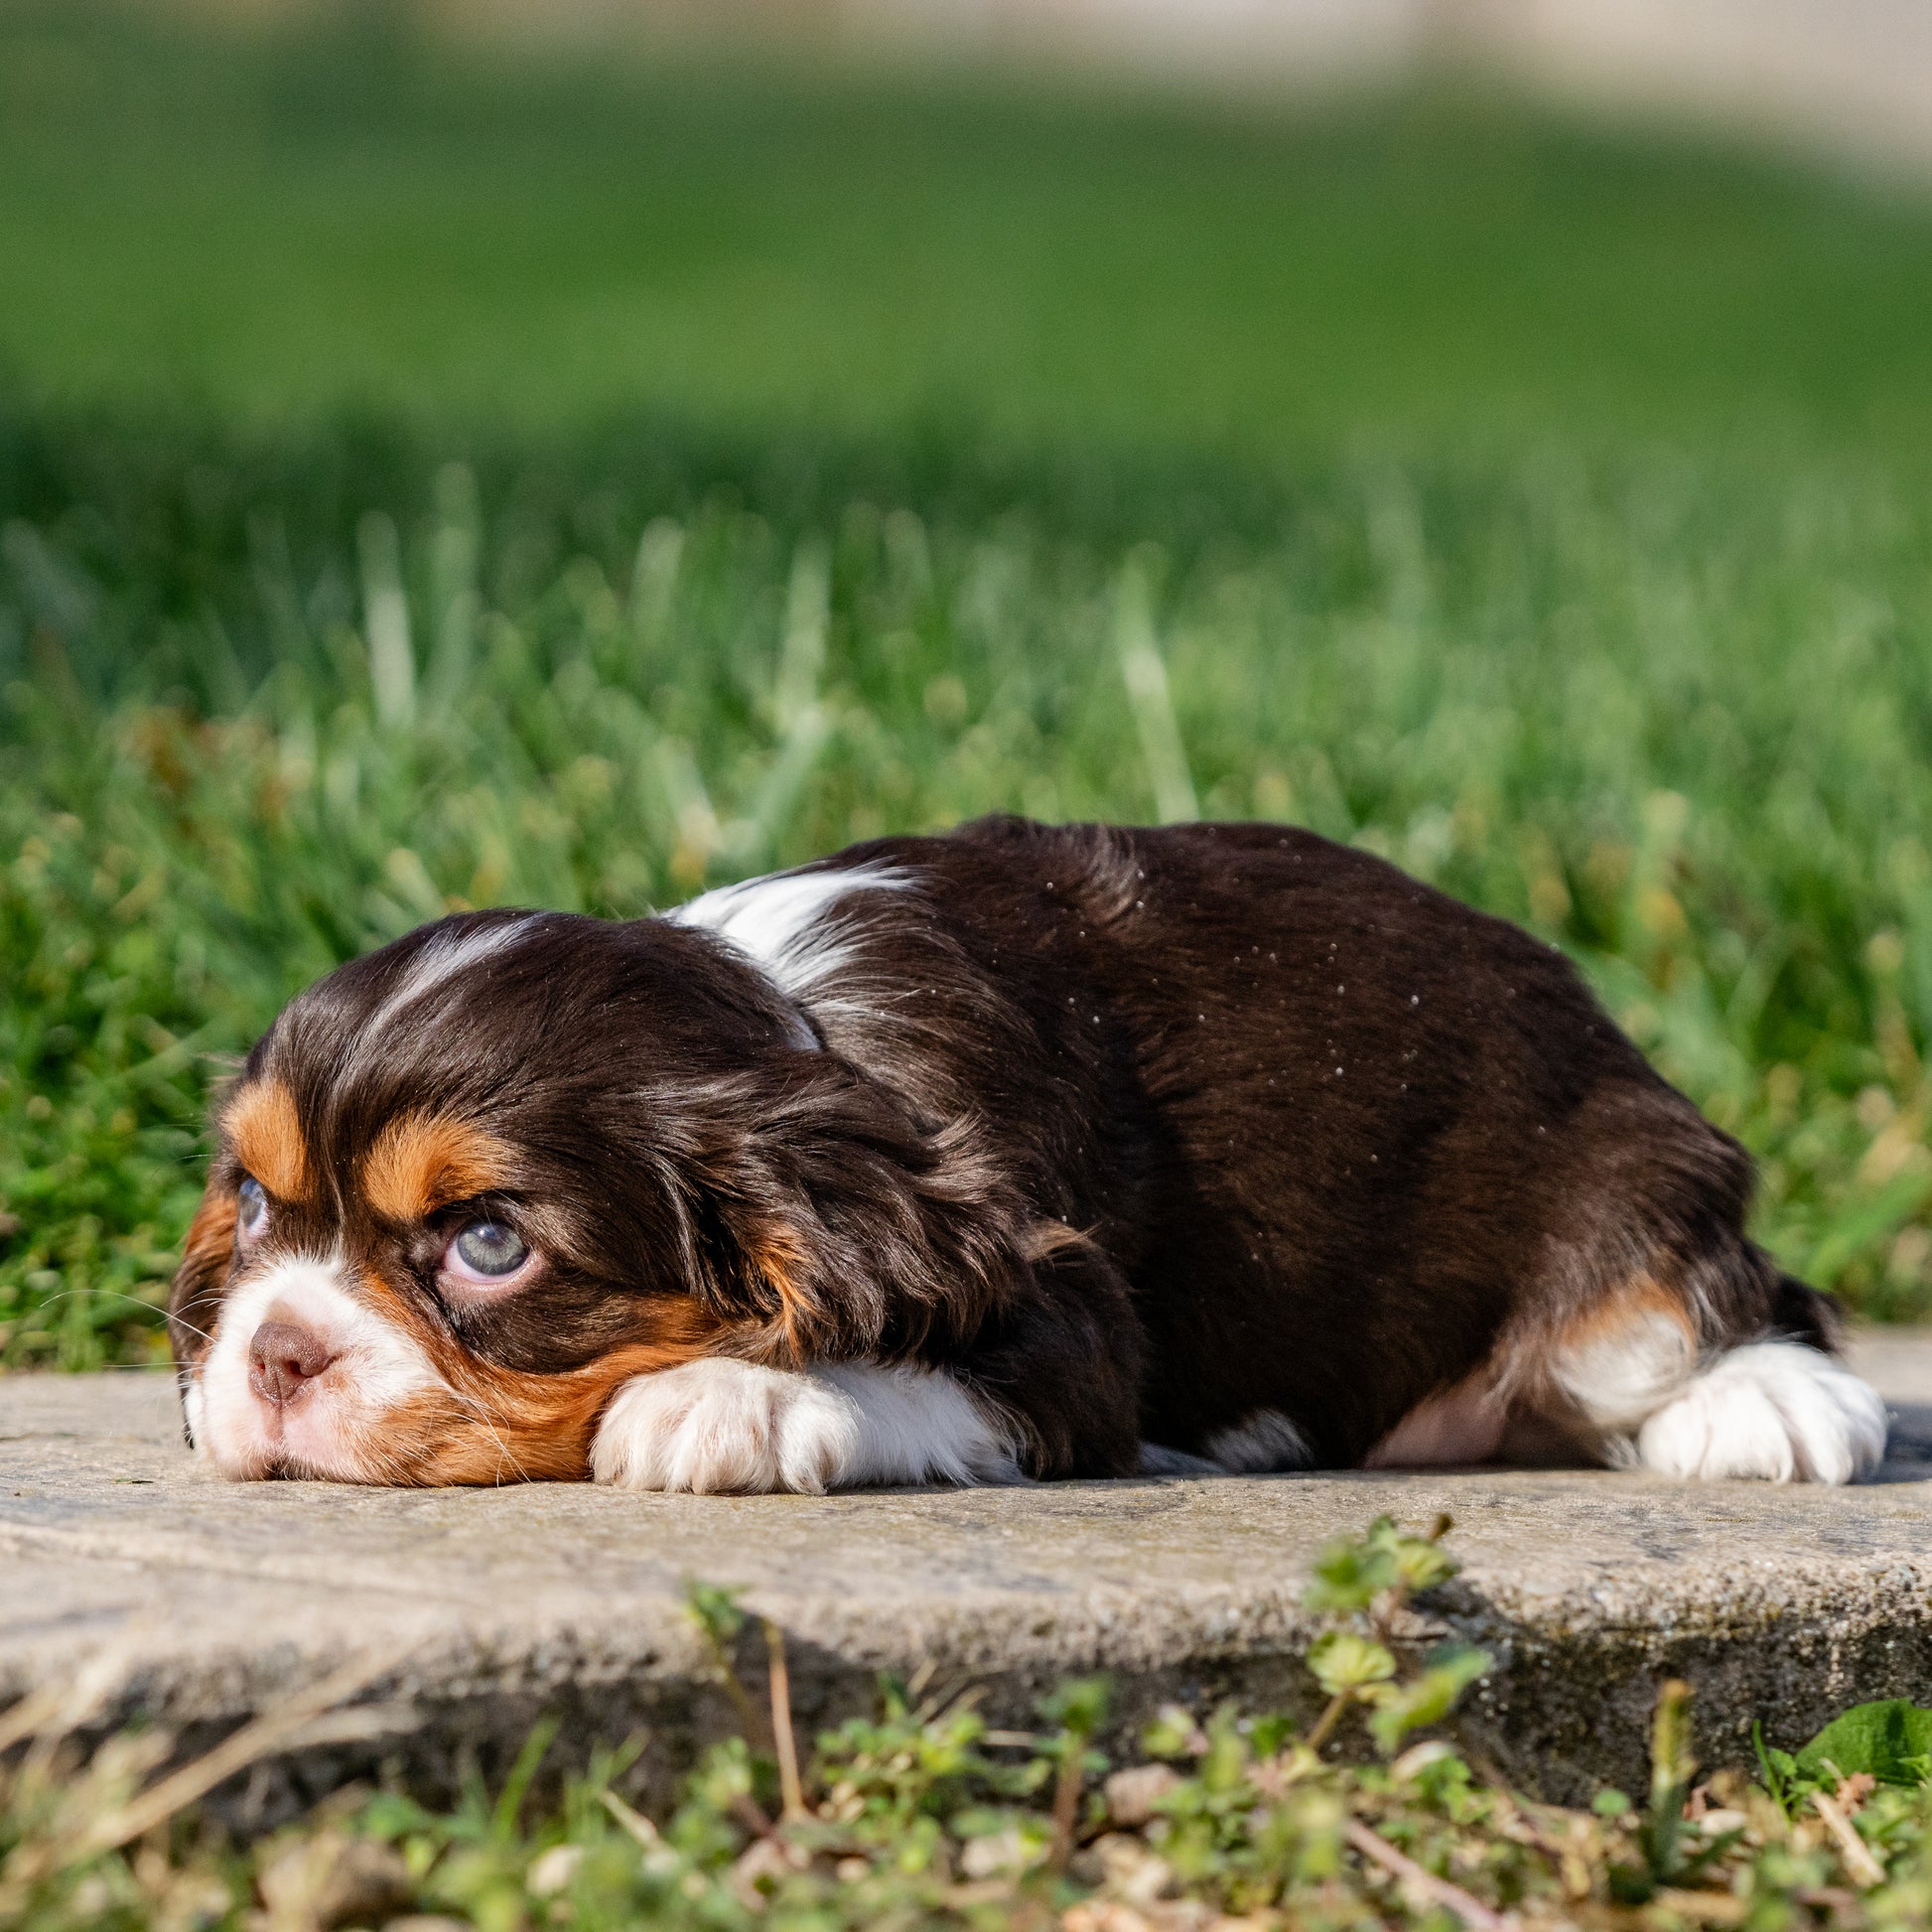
[(251, 1207), (487, 1251)]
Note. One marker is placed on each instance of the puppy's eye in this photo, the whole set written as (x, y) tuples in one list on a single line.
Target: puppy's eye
[(251, 1207), (488, 1253)]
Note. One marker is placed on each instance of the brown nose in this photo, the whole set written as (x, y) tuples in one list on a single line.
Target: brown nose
[(283, 1359)]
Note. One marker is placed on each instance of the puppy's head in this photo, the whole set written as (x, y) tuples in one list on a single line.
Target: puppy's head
[(470, 1184)]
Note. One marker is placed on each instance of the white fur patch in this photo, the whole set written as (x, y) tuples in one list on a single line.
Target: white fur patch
[(1774, 1410), (774, 921), (333, 1427), (1156, 1459), (1622, 1375), (722, 1424), (436, 965), (1259, 1443)]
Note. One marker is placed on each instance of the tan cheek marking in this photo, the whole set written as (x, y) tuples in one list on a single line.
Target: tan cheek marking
[(266, 1134), (506, 1425), (388, 1304), (422, 1162)]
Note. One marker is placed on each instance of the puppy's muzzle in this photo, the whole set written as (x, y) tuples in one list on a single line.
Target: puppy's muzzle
[(283, 1359)]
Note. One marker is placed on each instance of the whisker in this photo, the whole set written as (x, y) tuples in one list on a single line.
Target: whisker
[(133, 1368), (133, 1301), (477, 1405)]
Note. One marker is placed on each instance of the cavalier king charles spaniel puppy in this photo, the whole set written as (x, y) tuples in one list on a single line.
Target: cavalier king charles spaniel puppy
[(1022, 1152)]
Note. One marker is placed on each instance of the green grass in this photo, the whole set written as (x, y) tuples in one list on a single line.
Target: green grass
[(276, 226), (428, 480), (1672, 717)]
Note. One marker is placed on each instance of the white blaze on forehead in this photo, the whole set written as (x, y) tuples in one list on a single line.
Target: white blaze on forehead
[(777, 921), (440, 961), (333, 1427)]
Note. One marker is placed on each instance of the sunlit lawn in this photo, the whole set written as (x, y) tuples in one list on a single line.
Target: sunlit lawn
[(762, 463)]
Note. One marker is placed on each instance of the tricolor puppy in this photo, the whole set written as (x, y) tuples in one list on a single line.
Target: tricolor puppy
[(1022, 1152)]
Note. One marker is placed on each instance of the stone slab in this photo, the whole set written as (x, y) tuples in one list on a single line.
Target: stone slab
[(199, 1602)]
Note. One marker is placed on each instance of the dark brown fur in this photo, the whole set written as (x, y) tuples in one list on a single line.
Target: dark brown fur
[(1138, 1131)]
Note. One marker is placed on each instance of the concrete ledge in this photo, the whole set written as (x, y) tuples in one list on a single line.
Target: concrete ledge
[(202, 1602)]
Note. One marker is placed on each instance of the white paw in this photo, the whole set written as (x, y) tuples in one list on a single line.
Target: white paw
[(1774, 1410), (1262, 1442), (1156, 1459), (720, 1425)]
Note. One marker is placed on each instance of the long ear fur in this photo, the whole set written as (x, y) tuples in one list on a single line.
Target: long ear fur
[(206, 1258), (829, 1219)]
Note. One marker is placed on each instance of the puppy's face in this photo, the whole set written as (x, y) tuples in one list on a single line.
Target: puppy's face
[(468, 1185)]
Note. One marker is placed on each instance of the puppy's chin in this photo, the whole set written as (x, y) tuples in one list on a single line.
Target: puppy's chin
[(430, 1441)]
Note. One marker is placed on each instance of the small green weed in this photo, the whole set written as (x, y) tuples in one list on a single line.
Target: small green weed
[(924, 1815)]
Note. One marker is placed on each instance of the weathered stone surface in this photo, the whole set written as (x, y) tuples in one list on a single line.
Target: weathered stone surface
[(199, 1602)]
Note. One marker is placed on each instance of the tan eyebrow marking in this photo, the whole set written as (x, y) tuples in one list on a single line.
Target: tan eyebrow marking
[(423, 1161), (263, 1129)]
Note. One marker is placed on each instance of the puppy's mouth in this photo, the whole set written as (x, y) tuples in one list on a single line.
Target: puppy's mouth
[(319, 1451), (303, 1440)]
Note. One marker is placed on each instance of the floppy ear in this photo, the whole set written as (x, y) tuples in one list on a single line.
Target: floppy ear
[(206, 1258), (844, 1228)]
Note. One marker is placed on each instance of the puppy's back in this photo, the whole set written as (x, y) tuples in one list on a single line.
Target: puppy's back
[(1374, 1136)]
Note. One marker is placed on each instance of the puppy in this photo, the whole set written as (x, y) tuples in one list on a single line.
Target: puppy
[(1024, 1152)]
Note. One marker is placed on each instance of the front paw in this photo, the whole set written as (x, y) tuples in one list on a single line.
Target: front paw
[(721, 1425)]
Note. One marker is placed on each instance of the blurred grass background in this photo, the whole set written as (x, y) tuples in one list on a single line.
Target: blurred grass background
[(360, 212), (436, 477)]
